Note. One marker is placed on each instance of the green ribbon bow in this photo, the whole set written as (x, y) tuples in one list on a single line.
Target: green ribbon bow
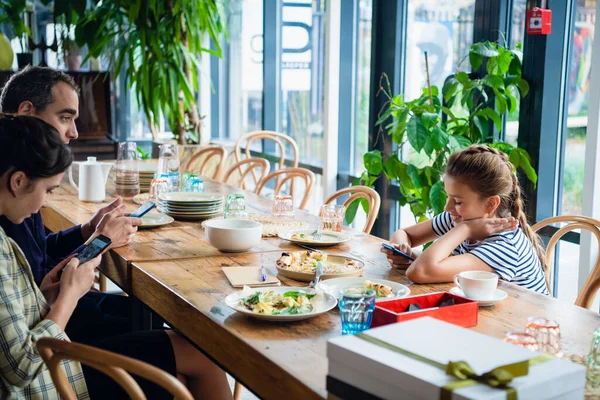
[(499, 377)]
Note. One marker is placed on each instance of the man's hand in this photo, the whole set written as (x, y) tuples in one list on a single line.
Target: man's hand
[(118, 228), (88, 229)]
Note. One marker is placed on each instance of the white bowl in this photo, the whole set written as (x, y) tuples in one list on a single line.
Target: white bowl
[(233, 235)]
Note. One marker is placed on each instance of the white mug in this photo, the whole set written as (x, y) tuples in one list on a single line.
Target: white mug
[(477, 285)]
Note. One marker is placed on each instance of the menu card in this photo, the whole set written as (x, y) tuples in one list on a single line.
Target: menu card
[(249, 276)]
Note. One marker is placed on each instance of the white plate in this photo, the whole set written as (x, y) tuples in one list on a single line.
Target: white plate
[(498, 295), (191, 197), (335, 285), (153, 220), (328, 238), (327, 303)]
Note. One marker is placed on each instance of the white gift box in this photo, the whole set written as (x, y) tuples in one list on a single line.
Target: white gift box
[(355, 363)]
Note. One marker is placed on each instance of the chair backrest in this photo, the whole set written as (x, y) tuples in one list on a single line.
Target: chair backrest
[(357, 192), (116, 366), (592, 283), (205, 158), (288, 174), (280, 140), (244, 167)]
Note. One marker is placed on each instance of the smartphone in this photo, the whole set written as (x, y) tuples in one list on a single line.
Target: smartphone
[(94, 249), (396, 251), (143, 210)]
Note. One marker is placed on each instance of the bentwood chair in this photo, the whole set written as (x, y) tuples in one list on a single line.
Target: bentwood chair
[(116, 366), (281, 141), (288, 175), (357, 192), (592, 284), (242, 168), (206, 158)]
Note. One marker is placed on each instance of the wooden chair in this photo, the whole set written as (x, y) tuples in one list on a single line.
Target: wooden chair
[(280, 140), (250, 164), (116, 366), (357, 192), (592, 284), (205, 158), (288, 174)]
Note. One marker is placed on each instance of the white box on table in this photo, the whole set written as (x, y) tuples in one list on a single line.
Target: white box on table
[(387, 374)]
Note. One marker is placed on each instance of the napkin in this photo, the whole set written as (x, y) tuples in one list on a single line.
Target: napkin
[(249, 276)]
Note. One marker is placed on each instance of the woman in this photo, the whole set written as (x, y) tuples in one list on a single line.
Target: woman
[(33, 160)]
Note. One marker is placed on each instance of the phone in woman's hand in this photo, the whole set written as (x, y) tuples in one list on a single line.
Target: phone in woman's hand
[(396, 251)]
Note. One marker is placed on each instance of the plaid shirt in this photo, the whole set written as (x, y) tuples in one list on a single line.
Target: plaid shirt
[(22, 311)]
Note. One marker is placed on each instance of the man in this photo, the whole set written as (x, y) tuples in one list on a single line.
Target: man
[(53, 96)]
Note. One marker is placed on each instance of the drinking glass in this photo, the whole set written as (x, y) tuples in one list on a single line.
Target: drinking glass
[(235, 207), (185, 178), (332, 217), (356, 309), (593, 359), (547, 334), (521, 339), (127, 180), (283, 206), (158, 187), (194, 185), (168, 163)]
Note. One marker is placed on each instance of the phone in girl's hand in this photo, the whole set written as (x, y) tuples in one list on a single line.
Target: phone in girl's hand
[(396, 251)]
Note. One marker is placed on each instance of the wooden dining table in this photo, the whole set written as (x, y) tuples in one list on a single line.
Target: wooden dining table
[(174, 271)]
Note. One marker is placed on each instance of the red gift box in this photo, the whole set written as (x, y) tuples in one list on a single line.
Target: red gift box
[(462, 313)]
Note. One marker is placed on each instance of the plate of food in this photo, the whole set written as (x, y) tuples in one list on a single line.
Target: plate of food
[(281, 303), (301, 265), (306, 236), (385, 289)]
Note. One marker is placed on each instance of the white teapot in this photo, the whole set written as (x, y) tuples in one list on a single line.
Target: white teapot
[(92, 179)]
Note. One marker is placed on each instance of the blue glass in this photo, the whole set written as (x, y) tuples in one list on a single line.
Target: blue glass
[(356, 309), (195, 185)]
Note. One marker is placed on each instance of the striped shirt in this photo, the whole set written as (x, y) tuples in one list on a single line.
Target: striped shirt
[(23, 374), (510, 254)]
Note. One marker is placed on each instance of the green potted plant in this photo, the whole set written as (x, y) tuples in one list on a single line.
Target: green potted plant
[(12, 15), (439, 123), (157, 45), (71, 53)]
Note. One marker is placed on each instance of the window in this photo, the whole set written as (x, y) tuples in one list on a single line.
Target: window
[(302, 77), (517, 36), (363, 89)]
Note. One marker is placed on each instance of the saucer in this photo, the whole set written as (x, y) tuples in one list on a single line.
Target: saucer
[(498, 295)]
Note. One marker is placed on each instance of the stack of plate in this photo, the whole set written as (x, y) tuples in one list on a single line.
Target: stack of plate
[(146, 175), (191, 205)]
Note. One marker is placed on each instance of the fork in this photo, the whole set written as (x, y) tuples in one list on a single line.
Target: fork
[(318, 273), (317, 235)]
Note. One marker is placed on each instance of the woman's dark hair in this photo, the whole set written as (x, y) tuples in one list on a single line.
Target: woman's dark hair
[(32, 146)]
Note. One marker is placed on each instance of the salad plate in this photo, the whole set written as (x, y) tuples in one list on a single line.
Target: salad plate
[(301, 265), (385, 289), (306, 236), (283, 303)]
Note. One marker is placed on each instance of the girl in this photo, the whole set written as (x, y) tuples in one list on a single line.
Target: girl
[(483, 226), (33, 160)]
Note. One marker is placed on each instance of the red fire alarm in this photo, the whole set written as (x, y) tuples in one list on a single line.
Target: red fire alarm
[(539, 21)]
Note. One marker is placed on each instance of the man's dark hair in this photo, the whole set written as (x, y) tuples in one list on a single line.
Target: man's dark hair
[(32, 84)]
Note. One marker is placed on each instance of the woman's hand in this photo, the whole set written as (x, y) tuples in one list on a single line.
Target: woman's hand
[(482, 228), (398, 261), (50, 286), (76, 279)]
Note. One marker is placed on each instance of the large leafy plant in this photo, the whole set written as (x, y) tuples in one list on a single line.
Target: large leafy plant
[(12, 14), (435, 125), (157, 44)]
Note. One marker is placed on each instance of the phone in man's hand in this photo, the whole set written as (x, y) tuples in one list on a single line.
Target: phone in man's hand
[(396, 251), (143, 210)]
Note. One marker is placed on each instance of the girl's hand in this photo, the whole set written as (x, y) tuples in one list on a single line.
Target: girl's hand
[(76, 280), (398, 261), (482, 228), (50, 286)]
